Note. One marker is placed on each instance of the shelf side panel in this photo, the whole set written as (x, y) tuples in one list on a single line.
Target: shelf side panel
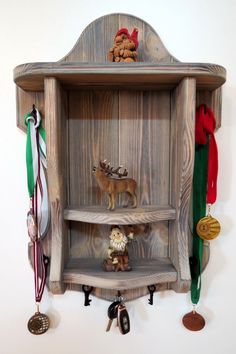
[(24, 102), (56, 134), (181, 164)]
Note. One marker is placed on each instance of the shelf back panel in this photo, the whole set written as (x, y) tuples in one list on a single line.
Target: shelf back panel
[(129, 128)]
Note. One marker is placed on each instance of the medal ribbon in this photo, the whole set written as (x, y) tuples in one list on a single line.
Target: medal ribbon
[(37, 188), (35, 163), (205, 126), (204, 187)]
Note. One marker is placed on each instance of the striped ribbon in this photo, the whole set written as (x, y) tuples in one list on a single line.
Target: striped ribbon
[(36, 164), (38, 216)]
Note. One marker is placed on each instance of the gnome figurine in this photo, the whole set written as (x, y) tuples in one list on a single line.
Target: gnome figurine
[(124, 48)]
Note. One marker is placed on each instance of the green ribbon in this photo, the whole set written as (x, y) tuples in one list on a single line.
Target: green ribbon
[(36, 165), (199, 211)]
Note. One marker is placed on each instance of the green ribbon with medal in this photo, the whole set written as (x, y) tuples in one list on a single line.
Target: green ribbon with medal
[(204, 192)]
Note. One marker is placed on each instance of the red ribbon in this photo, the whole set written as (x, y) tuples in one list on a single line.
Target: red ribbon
[(205, 126)]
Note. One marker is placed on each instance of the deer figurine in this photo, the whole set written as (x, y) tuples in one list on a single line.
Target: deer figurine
[(114, 186)]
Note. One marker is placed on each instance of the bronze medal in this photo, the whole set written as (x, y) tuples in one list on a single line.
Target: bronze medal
[(38, 324), (208, 228), (193, 321)]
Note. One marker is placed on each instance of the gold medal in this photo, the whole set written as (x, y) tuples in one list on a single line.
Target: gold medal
[(208, 228)]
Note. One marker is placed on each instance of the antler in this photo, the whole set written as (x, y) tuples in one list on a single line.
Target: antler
[(111, 171)]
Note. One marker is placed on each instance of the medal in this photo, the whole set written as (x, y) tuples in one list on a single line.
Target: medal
[(208, 227), (193, 321), (38, 323)]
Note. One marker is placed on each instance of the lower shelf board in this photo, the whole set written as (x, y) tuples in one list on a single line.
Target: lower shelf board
[(144, 272), (120, 216)]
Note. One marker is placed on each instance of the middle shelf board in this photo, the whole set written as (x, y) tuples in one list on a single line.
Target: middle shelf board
[(144, 272), (120, 216)]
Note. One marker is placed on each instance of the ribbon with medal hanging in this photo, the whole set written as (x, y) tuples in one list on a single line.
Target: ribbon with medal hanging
[(38, 216)]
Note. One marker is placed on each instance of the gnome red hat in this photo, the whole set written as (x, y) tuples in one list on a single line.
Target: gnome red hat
[(133, 37), (123, 31)]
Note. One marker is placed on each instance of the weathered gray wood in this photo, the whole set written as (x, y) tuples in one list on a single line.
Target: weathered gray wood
[(121, 216), (181, 162), (24, 102), (30, 77), (92, 240), (144, 272), (97, 38), (55, 108), (128, 294), (129, 114), (144, 126)]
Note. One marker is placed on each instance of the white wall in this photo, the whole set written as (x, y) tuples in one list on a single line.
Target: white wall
[(45, 30)]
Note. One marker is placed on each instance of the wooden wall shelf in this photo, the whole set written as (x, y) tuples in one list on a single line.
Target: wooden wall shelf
[(73, 75), (144, 272), (120, 216), (140, 115)]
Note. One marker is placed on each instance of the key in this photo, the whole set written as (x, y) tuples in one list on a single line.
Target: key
[(112, 314), (87, 290), (151, 289), (123, 319)]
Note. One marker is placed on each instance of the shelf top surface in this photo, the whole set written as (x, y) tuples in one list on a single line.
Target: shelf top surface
[(120, 216), (144, 272), (156, 75)]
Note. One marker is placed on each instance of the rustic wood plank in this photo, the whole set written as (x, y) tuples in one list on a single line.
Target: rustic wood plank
[(92, 240), (97, 38), (93, 127), (128, 295), (55, 109), (144, 126), (144, 272), (24, 103), (181, 162), (127, 216), (31, 76)]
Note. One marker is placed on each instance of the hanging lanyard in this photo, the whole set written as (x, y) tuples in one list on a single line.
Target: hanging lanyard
[(38, 216), (204, 188)]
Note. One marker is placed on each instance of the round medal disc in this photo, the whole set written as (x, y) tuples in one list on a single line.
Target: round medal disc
[(208, 228), (38, 324), (193, 321)]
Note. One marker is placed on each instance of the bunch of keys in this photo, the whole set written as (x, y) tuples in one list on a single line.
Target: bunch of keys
[(117, 310)]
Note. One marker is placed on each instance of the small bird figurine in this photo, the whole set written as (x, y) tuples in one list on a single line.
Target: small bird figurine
[(125, 45)]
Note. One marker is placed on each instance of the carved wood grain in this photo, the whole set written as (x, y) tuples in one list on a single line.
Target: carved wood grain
[(30, 77), (120, 216), (181, 162), (97, 38), (144, 272), (55, 109), (24, 102)]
